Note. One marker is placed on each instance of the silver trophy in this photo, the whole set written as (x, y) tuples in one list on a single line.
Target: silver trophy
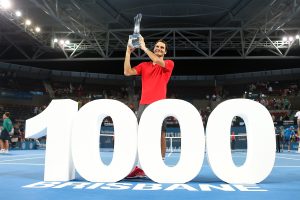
[(134, 38)]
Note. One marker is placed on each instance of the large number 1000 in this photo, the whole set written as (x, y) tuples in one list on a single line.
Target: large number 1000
[(73, 141)]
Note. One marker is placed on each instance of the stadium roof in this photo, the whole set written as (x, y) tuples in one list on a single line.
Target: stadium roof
[(204, 36)]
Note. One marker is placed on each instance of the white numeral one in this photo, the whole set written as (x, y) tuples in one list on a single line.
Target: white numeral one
[(260, 141), (55, 122), (85, 141), (192, 141)]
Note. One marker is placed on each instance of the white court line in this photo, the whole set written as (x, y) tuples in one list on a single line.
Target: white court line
[(21, 159), (289, 154), (236, 156), (31, 164), (287, 158), (16, 156), (274, 166), (36, 164)]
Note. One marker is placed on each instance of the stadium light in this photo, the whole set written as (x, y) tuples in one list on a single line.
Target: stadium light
[(15, 15), (284, 39), (28, 22), (5, 4), (297, 37), (61, 42), (37, 29), (18, 13), (291, 38)]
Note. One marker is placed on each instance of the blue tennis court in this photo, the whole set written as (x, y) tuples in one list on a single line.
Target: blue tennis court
[(22, 178)]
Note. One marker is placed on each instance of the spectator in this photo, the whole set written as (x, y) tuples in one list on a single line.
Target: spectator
[(288, 132), (21, 134), (232, 140), (278, 139), (35, 110), (286, 104), (4, 138)]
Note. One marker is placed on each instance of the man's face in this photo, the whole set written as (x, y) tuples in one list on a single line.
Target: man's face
[(4, 116), (160, 49)]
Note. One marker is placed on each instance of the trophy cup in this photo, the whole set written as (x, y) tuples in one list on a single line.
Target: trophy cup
[(134, 38)]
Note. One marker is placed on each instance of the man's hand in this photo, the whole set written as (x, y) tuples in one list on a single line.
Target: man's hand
[(142, 43), (130, 48)]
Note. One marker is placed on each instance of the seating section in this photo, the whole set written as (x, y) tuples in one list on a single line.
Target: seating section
[(280, 98)]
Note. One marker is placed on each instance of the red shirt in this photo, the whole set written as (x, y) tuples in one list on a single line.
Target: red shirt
[(154, 80)]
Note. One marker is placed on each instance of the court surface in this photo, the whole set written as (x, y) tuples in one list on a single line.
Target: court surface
[(22, 170)]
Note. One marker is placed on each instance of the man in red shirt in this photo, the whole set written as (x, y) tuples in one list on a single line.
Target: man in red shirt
[(155, 77)]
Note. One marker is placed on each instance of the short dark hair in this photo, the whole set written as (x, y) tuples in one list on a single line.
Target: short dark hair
[(161, 40), (7, 114)]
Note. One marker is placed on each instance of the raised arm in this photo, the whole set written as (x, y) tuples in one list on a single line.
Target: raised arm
[(152, 56), (128, 71)]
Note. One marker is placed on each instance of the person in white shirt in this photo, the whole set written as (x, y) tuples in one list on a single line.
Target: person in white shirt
[(298, 122)]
